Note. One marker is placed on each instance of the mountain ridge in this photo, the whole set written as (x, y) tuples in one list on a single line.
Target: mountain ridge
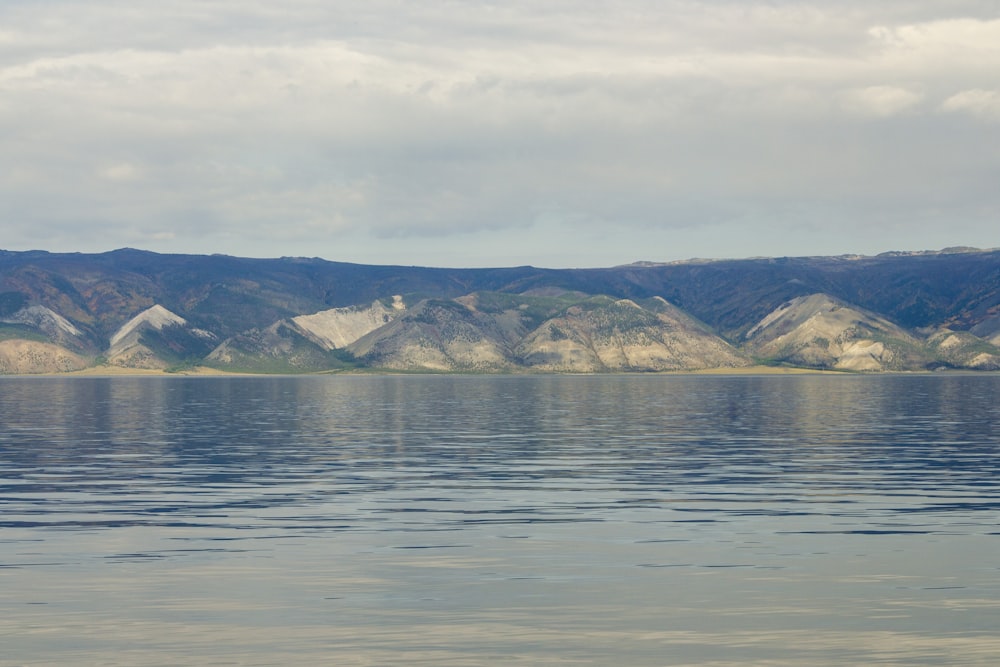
[(909, 310)]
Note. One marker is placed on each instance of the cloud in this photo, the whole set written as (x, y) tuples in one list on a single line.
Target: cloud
[(880, 101), (121, 172), (977, 102), (438, 125)]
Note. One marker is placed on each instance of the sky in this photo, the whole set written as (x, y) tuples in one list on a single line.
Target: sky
[(562, 133)]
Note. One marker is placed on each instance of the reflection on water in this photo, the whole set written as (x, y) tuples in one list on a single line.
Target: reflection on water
[(443, 520)]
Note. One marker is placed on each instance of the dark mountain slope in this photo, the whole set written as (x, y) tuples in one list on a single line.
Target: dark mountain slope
[(223, 294), (914, 290)]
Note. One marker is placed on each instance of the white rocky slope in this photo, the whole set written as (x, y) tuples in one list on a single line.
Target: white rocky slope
[(339, 327), (126, 347), (154, 317), (821, 331), (60, 353), (45, 319), (54, 326)]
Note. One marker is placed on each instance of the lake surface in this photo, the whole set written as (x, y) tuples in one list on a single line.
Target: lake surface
[(544, 520)]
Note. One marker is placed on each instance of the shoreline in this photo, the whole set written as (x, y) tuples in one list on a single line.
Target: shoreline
[(205, 371)]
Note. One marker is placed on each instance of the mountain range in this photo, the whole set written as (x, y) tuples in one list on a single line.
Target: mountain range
[(898, 311)]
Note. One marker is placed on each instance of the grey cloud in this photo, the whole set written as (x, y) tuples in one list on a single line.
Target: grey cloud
[(238, 128)]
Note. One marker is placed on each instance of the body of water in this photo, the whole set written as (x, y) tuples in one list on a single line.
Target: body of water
[(500, 520)]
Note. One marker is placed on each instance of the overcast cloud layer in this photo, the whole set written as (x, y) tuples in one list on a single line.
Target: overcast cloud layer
[(563, 133)]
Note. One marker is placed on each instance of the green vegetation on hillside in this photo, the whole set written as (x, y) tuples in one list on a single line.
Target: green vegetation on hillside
[(21, 332)]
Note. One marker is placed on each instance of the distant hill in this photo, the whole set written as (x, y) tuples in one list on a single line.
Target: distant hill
[(895, 311)]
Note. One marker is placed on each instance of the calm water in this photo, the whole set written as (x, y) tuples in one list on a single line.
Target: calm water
[(441, 520)]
